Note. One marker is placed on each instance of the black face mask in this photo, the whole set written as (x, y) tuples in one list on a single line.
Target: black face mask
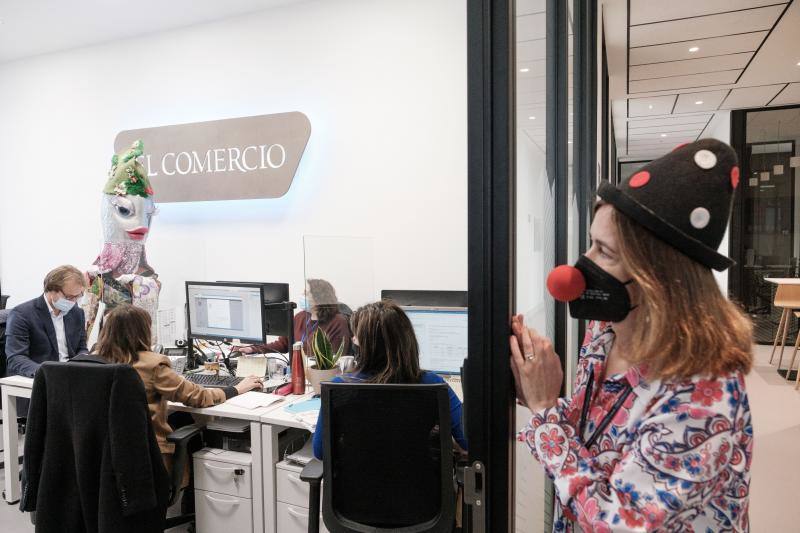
[(605, 298)]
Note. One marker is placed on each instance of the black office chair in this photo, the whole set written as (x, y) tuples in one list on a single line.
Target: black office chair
[(3, 359), (386, 465), (90, 448)]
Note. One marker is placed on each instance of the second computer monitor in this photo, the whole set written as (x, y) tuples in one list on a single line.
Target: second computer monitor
[(442, 337), (221, 311)]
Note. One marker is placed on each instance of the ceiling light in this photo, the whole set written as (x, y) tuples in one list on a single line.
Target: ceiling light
[(663, 134), (531, 118), (698, 102), (798, 63), (694, 49), (524, 70), (650, 107)]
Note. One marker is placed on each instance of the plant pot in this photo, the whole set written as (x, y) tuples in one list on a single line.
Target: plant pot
[(315, 377)]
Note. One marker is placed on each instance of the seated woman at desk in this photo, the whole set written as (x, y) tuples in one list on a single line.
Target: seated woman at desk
[(125, 338), (389, 353), (320, 310)]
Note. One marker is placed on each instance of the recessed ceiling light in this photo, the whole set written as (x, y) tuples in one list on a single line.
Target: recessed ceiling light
[(531, 118), (698, 102), (524, 70), (694, 49), (650, 107), (798, 63), (663, 134)]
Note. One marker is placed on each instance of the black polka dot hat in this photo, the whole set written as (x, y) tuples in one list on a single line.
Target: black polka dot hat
[(685, 198)]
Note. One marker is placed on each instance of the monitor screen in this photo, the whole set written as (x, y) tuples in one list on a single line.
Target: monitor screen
[(225, 311), (442, 337)]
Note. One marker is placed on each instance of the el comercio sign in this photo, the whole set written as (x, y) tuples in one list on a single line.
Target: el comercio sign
[(231, 159)]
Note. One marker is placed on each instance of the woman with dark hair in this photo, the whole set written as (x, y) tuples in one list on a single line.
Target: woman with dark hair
[(320, 309), (125, 339), (657, 434), (389, 353)]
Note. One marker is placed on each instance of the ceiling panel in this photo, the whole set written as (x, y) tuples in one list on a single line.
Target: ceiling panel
[(684, 82), (531, 50), (669, 121), (751, 97), (761, 18), (531, 27), (776, 61), (527, 7), (700, 101), (674, 128), (790, 95), (656, 105), (716, 46), (690, 66), (634, 136), (645, 11)]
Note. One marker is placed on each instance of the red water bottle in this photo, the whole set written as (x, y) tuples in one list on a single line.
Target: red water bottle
[(298, 372)]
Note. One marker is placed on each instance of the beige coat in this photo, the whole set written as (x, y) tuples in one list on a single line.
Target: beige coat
[(163, 384)]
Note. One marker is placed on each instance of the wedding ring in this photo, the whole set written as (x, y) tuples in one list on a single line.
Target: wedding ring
[(530, 356)]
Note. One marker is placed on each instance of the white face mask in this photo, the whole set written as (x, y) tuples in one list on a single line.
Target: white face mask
[(63, 305)]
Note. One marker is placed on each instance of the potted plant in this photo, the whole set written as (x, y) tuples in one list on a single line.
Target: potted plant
[(324, 358)]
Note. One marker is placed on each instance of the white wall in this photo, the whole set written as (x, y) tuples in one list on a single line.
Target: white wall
[(720, 128), (383, 83)]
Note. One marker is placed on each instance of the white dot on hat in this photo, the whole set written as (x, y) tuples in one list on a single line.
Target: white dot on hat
[(705, 159), (700, 217)]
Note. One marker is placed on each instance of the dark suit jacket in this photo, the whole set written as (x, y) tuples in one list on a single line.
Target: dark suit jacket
[(31, 337), (91, 460)]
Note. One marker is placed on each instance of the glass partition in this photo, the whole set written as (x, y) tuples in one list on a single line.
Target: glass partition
[(768, 243)]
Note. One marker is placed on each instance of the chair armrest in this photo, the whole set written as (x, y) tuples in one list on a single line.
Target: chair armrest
[(181, 436), (180, 459), (312, 474)]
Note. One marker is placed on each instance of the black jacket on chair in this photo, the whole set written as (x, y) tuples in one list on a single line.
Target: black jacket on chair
[(91, 460)]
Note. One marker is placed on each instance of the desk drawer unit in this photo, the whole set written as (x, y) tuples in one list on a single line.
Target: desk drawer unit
[(291, 489), (294, 519), (224, 473), (217, 513)]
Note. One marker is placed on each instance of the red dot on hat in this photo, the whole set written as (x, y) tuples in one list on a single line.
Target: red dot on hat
[(735, 177), (679, 146), (639, 179)]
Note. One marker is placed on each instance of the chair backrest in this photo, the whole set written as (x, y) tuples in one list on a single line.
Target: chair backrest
[(387, 464)]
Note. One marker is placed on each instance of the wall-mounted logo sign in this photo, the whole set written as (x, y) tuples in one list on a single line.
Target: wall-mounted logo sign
[(232, 159)]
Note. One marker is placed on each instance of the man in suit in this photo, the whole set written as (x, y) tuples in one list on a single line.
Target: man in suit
[(50, 327)]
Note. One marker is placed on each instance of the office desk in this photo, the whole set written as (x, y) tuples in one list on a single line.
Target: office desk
[(265, 425), (13, 387)]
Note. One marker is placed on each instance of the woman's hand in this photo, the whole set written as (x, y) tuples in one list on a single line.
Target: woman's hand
[(249, 383), (536, 367)]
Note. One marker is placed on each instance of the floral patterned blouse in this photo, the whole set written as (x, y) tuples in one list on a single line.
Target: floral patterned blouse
[(674, 457)]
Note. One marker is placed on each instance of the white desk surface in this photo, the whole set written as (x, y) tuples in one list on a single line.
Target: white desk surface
[(783, 281), (278, 416), (273, 414)]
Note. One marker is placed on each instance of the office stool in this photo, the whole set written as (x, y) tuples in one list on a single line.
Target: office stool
[(787, 297)]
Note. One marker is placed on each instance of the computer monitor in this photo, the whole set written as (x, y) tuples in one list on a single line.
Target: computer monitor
[(224, 311), (442, 336), (277, 322)]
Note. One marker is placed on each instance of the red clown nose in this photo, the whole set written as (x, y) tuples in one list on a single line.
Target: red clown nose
[(566, 283)]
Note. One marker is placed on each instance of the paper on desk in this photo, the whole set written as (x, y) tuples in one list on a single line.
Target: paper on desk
[(312, 404), (254, 400), (251, 366)]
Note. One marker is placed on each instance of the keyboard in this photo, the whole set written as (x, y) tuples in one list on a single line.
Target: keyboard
[(212, 380)]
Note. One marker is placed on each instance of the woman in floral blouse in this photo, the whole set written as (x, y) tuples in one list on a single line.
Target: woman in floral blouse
[(657, 435)]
